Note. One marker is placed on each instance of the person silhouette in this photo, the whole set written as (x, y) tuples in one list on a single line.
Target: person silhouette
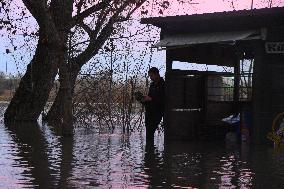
[(154, 103)]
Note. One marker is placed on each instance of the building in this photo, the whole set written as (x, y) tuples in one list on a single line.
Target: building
[(224, 39)]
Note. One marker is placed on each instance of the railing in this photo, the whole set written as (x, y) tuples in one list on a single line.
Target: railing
[(221, 87)]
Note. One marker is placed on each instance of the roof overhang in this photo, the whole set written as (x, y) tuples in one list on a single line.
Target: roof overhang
[(219, 21), (184, 40)]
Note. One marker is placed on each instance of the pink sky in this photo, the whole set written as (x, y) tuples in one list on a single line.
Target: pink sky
[(202, 6), (223, 5)]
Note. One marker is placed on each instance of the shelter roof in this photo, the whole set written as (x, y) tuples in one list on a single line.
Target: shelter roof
[(220, 21), (184, 40)]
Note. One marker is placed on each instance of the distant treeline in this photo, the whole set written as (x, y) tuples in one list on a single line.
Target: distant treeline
[(8, 85)]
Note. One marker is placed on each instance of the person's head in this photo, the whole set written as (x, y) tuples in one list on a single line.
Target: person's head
[(154, 74)]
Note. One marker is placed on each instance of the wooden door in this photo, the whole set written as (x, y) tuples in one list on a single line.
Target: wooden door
[(184, 98)]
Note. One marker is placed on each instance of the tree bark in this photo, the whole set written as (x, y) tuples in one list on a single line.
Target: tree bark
[(51, 54), (62, 14), (56, 112), (35, 85), (66, 104)]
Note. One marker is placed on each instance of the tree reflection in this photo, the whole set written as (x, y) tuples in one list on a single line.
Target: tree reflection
[(32, 152), (48, 163), (67, 144)]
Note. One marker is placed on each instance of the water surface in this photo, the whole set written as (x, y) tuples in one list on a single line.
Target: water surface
[(32, 156)]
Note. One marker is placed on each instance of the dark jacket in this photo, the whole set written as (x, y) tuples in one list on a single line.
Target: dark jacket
[(157, 93)]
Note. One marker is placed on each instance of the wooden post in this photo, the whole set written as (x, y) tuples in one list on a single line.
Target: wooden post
[(169, 64), (262, 95), (236, 84)]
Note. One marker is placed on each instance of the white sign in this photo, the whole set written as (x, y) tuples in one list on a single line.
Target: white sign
[(274, 47)]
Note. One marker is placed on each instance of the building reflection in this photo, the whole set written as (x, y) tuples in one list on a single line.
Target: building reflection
[(235, 167), (185, 165), (207, 165)]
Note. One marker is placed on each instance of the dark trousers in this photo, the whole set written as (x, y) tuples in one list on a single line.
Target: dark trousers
[(152, 120)]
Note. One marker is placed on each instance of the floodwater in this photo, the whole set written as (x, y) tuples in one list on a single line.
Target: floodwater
[(32, 156)]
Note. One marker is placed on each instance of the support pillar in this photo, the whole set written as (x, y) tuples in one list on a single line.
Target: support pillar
[(262, 118), (169, 64), (237, 77)]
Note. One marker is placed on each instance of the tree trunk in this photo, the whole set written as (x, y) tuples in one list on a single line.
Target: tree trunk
[(61, 114), (51, 54), (62, 13), (66, 103), (56, 112), (35, 85)]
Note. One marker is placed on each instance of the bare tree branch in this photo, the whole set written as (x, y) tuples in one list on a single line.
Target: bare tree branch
[(96, 44), (79, 17), (87, 29), (102, 18), (79, 6), (138, 5)]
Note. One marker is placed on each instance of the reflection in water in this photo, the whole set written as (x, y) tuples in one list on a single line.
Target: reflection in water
[(46, 162), (154, 167), (32, 153), (234, 169), (32, 156), (66, 161)]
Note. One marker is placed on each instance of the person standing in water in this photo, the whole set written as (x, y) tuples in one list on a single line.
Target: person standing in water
[(154, 103)]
